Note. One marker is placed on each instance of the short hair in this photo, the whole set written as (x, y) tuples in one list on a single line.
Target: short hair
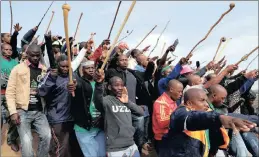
[(113, 79), (134, 51), (62, 58), (33, 47), (2, 35), (3, 44)]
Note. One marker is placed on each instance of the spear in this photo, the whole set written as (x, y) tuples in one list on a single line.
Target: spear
[(118, 8), (159, 38), (118, 35), (231, 6), (246, 56), (146, 36)]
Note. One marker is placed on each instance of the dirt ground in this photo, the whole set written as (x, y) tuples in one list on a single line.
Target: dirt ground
[(6, 150)]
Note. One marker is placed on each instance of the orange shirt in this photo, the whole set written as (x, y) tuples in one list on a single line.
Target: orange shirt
[(162, 110)]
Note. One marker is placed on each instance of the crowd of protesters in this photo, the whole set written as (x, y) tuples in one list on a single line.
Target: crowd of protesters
[(136, 105)]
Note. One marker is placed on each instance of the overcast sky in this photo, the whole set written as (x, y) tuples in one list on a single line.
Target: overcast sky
[(190, 21)]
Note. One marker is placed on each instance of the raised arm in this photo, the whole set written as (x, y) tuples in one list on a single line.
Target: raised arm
[(162, 83), (98, 97), (219, 77), (50, 54), (13, 41), (79, 58)]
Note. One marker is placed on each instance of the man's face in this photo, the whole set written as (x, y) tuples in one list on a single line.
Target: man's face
[(197, 80), (56, 52), (122, 62), (199, 103), (34, 57), (63, 67), (117, 87), (106, 45), (176, 92), (6, 38), (89, 70), (219, 98), (7, 50)]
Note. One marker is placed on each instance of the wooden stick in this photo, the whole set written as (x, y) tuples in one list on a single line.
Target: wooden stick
[(11, 13), (78, 24), (223, 39), (246, 56), (92, 38), (146, 36), (163, 49), (48, 25), (251, 61), (66, 9), (227, 41), (159, 38), (125, 37), (45, 14), (118, 8), (231, 6), (118, 35)]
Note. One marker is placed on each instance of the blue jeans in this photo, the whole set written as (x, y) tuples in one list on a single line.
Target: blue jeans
[(139, 135), (131, 151), (237, 146), (12, 134), (92, 143), (251, 142), (39, 121)]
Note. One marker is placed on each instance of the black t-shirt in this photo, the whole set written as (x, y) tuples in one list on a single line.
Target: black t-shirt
[(35, 102)]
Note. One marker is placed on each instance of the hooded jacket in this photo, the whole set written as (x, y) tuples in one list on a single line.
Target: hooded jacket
[(117, 119)]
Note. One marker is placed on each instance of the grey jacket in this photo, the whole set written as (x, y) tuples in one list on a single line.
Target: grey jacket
[(117, 119)]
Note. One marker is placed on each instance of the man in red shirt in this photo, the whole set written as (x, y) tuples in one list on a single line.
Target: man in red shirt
[(164, 106)]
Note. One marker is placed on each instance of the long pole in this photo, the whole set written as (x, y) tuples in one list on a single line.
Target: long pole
[(118, 8), (118, 34), (146, 36), (66, 9)]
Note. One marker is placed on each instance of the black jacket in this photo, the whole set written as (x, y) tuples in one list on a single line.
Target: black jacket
[(81, 103), (13, 43), (143, 93)]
